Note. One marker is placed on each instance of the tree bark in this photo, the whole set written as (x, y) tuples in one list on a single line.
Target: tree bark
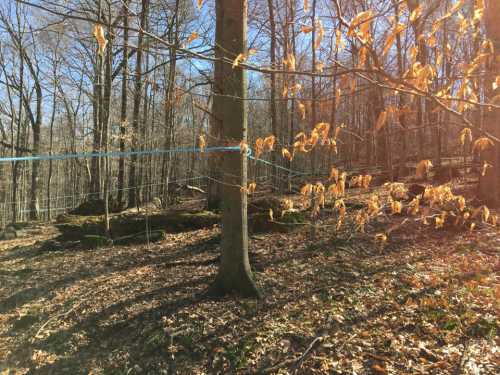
[(214, 196), (132, 178), (123, 109), (173, 38), (234, 271), (489, 184), (272, 104)]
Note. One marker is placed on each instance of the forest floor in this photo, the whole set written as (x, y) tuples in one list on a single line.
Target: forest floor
[(426, 303)]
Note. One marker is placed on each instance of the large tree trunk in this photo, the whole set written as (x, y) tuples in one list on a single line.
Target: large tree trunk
[(489, 184), (234, 271)]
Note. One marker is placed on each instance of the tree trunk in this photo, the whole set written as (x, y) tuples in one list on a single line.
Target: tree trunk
[(173, 39), (314, 153), (214, 196), (234, 271), (489, 184), (132, 178), (272, 105), (123, 109)]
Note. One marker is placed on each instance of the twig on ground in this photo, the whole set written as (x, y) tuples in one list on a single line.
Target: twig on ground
[(313, 345), (66, 313)]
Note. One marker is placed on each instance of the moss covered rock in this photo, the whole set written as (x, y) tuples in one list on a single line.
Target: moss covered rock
[(261, 222), (262, 205), (95, 241), (94, 207), (75, 227), (139, 238)]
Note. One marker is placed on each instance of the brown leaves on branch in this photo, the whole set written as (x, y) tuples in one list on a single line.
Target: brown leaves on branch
[(465, 134), (290, 62), (264, 145), (101, 39), (202, 143), (362, 21), (286, 154), (381, 121), (194, 35), (302, 110), (320, 34), (496, 83), (482, 144), (416, 13), (392, 37), (242, 57), (306, 29), (423, 167)]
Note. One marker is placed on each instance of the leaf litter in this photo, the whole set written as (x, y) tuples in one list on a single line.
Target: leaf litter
[(425, 302)]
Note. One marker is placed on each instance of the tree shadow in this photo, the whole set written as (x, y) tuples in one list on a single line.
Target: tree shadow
[(112, 265), (133, 333)]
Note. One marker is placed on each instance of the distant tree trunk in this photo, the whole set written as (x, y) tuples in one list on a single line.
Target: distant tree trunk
[(107, 79), (420, 42), (234, 270), (489, 185), (291, 134), (314, 120), (123, 109), (403, 150), (274, 119), (51, 140), (132, 178), (35, 165), (36, 125), (34, 118), (95, 172), (214, 197), (446, 73), (15, 164), (170, 76)]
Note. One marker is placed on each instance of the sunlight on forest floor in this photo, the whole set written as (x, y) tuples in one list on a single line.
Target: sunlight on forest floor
[(425, 303)]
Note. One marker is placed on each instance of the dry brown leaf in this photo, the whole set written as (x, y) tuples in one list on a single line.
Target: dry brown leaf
[(251, 187), (202, 143), (302, 110), (466, 133), (194, 35), (482, 144), (101, 39), (269, 143), (306, 29), (243, 147), (320, 34), (381, 121), (423, 168), (239, 59), (286, 154)]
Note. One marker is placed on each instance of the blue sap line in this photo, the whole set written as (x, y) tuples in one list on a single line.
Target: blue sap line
[(291, 171), (115, 154), (145, 152)]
